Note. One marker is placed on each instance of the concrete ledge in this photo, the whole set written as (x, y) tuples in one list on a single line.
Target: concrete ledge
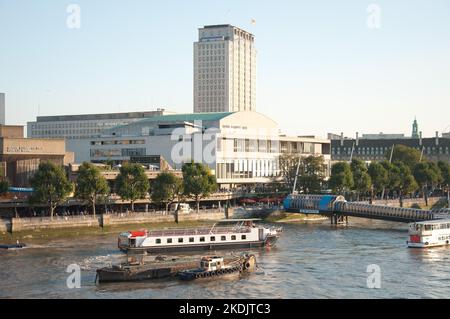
[(21, 224), (60, 222)]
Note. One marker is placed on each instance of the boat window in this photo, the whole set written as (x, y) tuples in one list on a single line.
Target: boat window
[(169, 240), (223, 238), (158, 240), (202, 239), (244, 237), (191, 239), (180, 240), (213, 238), (233, 237), (428, 227)]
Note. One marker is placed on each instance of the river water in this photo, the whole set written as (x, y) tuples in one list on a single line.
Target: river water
[(309, 261)]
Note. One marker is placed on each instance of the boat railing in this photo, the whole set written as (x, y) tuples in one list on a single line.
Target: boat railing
[(198, 231)]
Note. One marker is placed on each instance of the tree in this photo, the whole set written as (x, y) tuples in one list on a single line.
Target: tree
[(444, 168), (4, 185), (361, 178), (132, 183), (407, 155), (50, 186), (312, 172), (379, 177), (166, 188), (341, 179), (288, 168), (426, 175), (393, 180), (90, 184), (198, 181), (407, 183)]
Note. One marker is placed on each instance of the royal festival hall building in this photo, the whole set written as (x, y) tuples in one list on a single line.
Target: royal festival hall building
[(239, 147)]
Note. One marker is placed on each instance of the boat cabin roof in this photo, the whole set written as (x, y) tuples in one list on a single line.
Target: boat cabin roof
[(235, 220), (434, 222)]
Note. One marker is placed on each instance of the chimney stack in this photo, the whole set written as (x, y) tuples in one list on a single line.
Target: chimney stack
[(420, 138), (2, 109), (437, 138), (357, 138)]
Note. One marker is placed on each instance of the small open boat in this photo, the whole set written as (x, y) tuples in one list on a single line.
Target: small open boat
[(215, 267), (13, 246)]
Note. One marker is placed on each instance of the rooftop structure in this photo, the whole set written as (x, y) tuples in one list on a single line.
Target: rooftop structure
[(85, 125)]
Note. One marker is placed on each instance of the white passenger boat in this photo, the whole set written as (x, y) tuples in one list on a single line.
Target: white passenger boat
[(429, 233), (225, 234)]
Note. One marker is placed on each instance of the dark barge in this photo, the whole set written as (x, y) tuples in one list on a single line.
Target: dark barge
[(136, 270)]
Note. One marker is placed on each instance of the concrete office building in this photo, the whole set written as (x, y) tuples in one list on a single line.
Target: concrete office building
[(224, 70), (82, 126), (239, 147), (20, 157), (2, 109)]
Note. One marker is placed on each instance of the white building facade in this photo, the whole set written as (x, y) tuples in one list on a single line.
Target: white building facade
[(224, 70), (239, 147)]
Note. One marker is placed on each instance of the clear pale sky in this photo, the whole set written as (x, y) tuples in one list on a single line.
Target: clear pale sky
[(320, 68)]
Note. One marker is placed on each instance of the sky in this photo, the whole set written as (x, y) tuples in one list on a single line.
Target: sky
[(322, 66)]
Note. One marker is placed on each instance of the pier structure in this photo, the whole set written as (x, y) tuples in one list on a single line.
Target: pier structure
[(338, 209)]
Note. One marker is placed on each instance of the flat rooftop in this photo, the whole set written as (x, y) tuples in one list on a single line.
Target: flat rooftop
[(102, 116)]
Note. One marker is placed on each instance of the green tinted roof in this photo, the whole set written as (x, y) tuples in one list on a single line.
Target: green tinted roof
[(187, 117)]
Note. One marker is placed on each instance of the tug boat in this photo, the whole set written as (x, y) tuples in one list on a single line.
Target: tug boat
[(430, 233), (225, 234), (214, 267)]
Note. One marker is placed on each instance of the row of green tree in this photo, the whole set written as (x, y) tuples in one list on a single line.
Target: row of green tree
[(51, 185), (405, 173)]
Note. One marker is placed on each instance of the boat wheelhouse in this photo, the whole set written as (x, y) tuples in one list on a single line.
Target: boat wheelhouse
[(429, 233), (225, 234)]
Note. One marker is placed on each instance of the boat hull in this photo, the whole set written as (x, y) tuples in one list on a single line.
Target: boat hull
[(189, 275), (423, 245), (118, 275), (204, 247)]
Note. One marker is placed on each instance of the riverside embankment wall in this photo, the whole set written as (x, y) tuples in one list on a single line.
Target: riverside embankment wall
[(61, 222)]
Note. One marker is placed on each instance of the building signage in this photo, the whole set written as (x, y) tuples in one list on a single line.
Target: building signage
[(23, 149)]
